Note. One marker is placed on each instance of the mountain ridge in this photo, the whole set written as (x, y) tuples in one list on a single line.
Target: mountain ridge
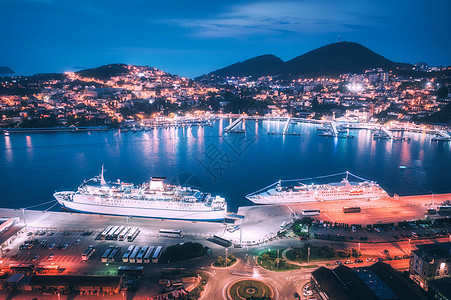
[(6, 70), (332, 59)]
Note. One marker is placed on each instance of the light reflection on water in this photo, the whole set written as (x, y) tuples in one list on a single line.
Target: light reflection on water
[(60, 161)]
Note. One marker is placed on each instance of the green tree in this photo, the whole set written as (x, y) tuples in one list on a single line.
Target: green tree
[(220, 261), (231, 257)]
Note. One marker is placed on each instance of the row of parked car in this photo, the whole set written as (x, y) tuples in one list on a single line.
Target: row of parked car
[(41, 233), (49, 233), (30, 244), (359, 261)]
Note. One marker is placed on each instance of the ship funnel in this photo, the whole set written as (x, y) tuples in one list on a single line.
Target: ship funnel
[(102, 179)]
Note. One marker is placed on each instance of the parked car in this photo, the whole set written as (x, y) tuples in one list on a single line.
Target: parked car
[(35, 258)]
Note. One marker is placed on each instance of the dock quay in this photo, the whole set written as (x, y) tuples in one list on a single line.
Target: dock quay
[(258, 223), (336, 128), (54, 129)]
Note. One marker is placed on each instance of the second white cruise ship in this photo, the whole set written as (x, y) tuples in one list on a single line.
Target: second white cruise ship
[(154, 199), (344, 190)]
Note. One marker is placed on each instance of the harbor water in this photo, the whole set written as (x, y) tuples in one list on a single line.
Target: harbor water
[(35, 165)]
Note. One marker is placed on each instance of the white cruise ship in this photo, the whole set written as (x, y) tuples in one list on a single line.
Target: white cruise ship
[(344, 190), (154, 199)]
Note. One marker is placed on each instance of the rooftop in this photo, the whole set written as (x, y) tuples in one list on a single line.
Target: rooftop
[(400, 285), (375, 284), (379, 281), (342, 283), (443, 285), (5, 235), (434, 251), (329, 283)]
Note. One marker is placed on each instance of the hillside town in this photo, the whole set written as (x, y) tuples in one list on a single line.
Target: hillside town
[(115, 94)]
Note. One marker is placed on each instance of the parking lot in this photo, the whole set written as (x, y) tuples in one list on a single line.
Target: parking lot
[(45, 246), (378, 234), (69, 258)]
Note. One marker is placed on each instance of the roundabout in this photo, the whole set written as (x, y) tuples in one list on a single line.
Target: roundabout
[(247, 288)]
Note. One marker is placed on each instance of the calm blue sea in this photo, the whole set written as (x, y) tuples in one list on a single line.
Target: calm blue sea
[(34, 166)]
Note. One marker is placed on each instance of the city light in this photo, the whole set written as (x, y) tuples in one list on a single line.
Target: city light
[(230, 175), (355, 87)]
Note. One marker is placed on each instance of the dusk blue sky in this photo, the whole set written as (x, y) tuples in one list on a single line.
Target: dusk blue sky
[(190, 38)]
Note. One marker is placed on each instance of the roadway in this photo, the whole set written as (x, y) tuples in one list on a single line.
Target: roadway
[(284, 284)]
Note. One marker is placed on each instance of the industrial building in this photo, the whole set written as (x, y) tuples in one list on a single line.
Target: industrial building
[(379, 281)]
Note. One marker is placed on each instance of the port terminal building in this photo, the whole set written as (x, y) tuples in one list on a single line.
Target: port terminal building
[(10, 229)]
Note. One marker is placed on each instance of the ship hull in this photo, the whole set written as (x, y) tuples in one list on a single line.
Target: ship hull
[(335, 191), (290, 200), (188, 215)]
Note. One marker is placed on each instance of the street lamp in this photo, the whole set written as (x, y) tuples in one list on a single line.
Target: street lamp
[(107, 268), (241, 230), (358, 253), (23, 213), (277, 259), (409, 247), (226, 256), (59, 296)]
